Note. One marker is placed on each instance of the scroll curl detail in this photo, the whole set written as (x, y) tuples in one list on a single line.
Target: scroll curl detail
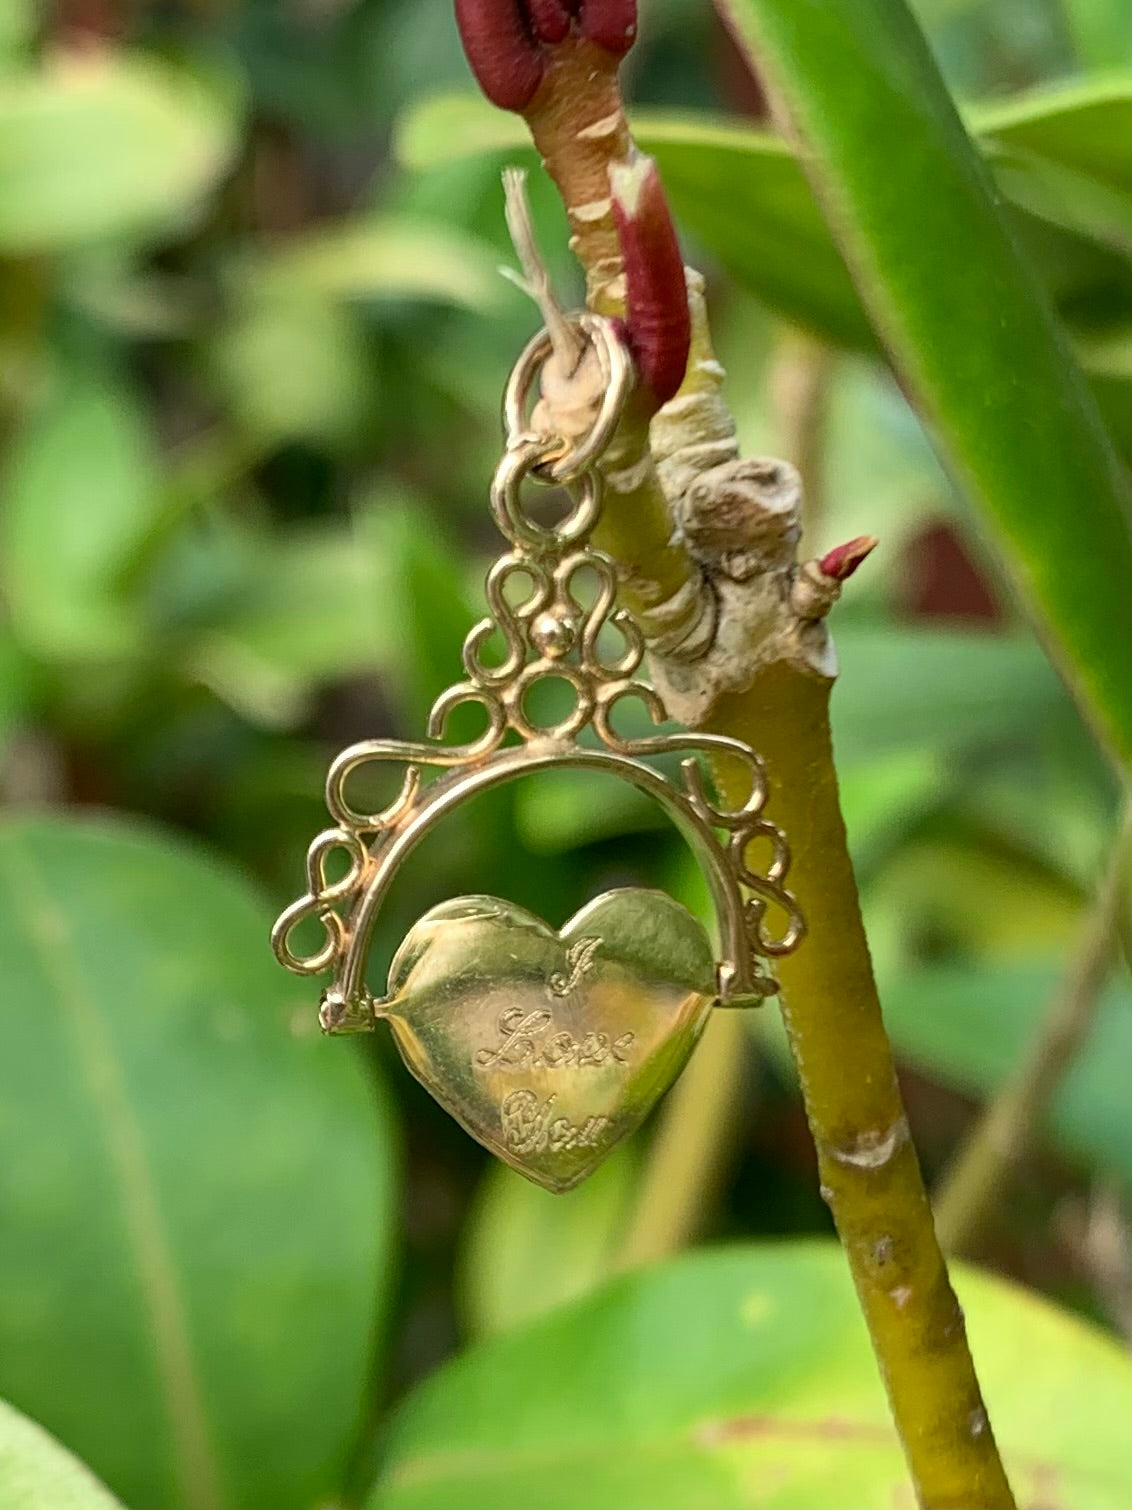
[(744, 825), (321, 900)]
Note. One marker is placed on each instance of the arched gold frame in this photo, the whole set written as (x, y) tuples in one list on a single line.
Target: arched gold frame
[(552, 634)]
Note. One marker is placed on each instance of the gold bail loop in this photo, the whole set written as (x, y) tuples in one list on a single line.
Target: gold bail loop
[(569, 459)]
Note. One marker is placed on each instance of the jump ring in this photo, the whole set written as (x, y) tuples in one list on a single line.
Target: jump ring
[(573, 458), (522, 456)]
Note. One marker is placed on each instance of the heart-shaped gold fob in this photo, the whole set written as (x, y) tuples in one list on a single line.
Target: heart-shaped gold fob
[(551, 1047), (548, 1047)]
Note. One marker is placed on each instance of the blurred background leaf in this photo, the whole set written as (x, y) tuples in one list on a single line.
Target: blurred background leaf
[(969, 1026), (79, 496), (108, 146), (37, 1474), (391, 259), (1101, 31), (695, 1381), (1083, 126), (199, 1346), (516, 1230)]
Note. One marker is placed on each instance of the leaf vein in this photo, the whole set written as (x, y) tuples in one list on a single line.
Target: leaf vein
[(125, 1147)]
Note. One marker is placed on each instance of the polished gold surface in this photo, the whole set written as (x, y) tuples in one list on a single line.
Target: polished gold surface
[(641, 982), (549, 1048)]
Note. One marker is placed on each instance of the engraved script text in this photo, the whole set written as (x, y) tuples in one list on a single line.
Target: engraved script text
[(530, 1126), (527, 1042), (579, 962)]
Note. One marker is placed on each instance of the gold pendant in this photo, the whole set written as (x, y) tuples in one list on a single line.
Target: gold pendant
[(548, 1047)]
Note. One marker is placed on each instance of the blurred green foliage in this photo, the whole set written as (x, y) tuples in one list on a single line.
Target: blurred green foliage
[(252, 341), (537, 1414), (191, 1113)]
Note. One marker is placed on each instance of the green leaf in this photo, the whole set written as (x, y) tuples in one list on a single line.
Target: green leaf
[(552, 816), (451, 127), (1113, 394), (1101, 31), (107, 144), (37, 1474), (516, 1230), (970, 334), (978, 893), (389, 258), (883, 797), (78, 496), (744, 1377), (938, 690), (196, 1188), (309, 610), (1085, 124), (425, 604), (291, 361), (884, 477), (935, 12), (293, 369)]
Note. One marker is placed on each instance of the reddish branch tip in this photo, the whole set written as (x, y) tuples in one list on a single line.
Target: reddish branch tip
[(502, 50), (550, 19), (841, 562), (656, 294), (612, 24), (507, 40)]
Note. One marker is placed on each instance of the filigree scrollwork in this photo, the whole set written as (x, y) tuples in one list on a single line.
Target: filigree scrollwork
[(321, 901), (552, 634), (513, 623), (552, 607), (744, 825)]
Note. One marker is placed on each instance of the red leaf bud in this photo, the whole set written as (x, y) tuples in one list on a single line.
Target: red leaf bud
[(841, 562), (504, 55), (658, 323), (549, 19), (612, 24)]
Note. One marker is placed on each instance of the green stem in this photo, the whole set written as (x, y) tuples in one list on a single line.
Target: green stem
[(869, 1172), (975, 1184)]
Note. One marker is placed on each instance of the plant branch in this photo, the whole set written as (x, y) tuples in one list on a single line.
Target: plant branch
[(870, 1174), (578, 124), (981, 1172), (683, 508)]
